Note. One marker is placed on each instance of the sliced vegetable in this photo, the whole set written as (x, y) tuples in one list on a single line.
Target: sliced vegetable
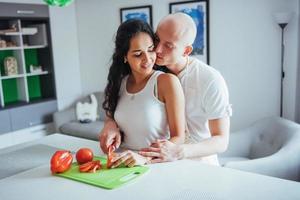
[(91, 166), (110, 156), (86, 167)]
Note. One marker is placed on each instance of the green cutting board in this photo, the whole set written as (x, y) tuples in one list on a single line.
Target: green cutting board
[(105, 178)]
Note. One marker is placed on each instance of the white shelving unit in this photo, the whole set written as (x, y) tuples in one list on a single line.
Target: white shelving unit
[(35, 37), (27, 98)]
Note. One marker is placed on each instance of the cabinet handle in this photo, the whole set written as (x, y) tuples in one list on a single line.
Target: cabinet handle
[(27, 12)]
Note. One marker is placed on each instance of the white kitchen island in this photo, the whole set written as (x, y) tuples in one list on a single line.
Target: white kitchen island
[(185, 179)]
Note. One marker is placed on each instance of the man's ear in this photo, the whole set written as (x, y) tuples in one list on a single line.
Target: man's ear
[(188, 50)]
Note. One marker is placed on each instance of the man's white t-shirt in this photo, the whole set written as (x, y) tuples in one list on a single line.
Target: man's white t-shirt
[(206, 97)]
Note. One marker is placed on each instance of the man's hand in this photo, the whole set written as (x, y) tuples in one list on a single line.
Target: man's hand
[(110, 135), (163, 151), (129, 158)]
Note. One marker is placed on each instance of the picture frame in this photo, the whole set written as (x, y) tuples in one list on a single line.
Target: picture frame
[(199, 11), (141, 12)]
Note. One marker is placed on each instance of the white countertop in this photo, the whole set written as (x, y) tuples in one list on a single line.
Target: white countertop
[(183, 179)]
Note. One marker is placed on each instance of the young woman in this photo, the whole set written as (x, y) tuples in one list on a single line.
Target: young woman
[(147, 105)]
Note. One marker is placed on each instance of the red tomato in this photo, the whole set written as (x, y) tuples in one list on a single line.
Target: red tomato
[(61, 161), (84, 155)]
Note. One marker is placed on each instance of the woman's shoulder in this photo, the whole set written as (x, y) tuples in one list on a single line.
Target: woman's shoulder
[(167, 78), (168, 82)]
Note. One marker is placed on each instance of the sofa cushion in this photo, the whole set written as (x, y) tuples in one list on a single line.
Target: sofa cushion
[(89, 130)]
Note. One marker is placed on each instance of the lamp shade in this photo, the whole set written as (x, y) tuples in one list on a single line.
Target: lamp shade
[(283, 17)]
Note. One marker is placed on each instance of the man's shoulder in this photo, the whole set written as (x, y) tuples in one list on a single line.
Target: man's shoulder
[(202, 72)]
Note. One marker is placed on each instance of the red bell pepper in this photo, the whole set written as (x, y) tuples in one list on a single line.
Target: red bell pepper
[(91, 166), (61, 161), (110, 156)]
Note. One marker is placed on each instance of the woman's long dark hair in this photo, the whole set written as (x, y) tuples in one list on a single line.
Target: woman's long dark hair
[(118, 69)]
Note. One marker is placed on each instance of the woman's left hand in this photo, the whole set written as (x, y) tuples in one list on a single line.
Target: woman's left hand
[(129, 158)]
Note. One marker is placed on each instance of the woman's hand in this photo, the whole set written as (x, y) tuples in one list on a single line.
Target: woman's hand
[(110, 136), (129, 158)]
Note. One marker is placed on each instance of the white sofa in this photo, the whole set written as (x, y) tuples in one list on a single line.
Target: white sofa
[(270, 146), (66, 121)]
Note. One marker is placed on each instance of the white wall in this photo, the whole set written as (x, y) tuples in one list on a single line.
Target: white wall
[(98, 21), (65, 52), (66, 55), (298, 86), (291, 63), (244, 46)]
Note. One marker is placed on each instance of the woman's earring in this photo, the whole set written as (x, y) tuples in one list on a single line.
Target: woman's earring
[(125, 60)]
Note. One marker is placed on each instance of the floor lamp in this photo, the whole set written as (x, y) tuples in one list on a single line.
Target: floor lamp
[(282, 19)]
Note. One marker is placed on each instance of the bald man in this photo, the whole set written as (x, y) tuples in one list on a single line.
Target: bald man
[(206, 96)]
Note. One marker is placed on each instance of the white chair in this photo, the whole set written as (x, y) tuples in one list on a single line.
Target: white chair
[(270, 146)]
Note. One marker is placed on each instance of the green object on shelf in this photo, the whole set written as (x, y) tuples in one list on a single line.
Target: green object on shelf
[(60, 3), (10, 91), (3, 55), (34, 87), (105, 178), (31, 58)]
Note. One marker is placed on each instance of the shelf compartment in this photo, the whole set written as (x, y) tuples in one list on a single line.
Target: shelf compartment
[(31, 58), (14, 53), (35, 80), (37, 39), (13, 91), (34, 88), (14, 38), (6, 26), (39, 88), (36, 57), (10, 91), (10, 38)]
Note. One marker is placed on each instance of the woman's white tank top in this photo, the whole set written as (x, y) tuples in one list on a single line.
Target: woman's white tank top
[(141, 116)]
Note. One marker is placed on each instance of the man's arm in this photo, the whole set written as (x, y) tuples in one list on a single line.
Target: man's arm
[(217, 109), (218, 112), (218, 143), (109, 135), (163, 150)]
